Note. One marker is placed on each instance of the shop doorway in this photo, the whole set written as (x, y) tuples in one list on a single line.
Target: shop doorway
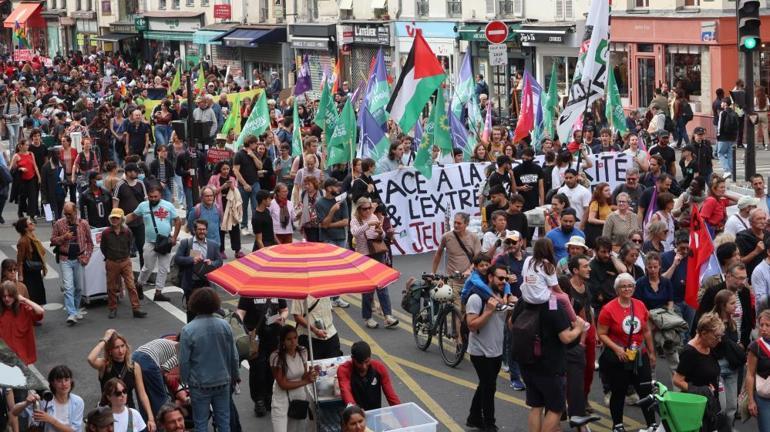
[(645, 68)]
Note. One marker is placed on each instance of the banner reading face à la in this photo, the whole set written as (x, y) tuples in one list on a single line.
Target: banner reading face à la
[(417, 207)]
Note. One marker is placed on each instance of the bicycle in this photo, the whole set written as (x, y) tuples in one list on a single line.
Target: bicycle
[(679, 412), (437, 316)]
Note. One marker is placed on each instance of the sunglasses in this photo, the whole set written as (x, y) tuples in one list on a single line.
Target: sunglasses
[(119, 393), (502, 278), (637, 241)]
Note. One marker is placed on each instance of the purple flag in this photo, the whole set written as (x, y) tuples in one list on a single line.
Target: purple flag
[(458, 131), (303, 83)]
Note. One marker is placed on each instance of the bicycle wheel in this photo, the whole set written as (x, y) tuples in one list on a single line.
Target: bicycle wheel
[(421, 326), (451, 341)]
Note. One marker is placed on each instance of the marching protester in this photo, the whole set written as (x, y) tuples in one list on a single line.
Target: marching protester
[(72, 236)]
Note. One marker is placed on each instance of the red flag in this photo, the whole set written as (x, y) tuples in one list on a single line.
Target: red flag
[(526, 120), (702, 248), (336, 76)]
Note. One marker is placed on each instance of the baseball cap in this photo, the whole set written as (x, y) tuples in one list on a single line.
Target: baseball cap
[(663, 133), (513, 235), (699, 130), (747, 201), (117, 213)]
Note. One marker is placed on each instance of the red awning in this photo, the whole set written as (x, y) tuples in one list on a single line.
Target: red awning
[(25, 13)]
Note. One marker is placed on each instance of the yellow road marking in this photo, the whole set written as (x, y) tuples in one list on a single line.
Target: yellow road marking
[(441, 415)]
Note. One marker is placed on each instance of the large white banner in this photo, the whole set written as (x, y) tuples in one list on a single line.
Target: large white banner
[(418, 207)]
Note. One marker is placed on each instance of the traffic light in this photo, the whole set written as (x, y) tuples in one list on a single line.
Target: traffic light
[(748, 24)]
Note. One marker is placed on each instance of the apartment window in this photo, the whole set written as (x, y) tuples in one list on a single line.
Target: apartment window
[(175, 4), (107, 7), (642, 3), (683, 68), (692, 2), (505, 7), (63, 4), (204, 2), (313, 4), (619, 66), (454, 8), (423, 8), (51, 4), (190, 3), (565, 10), (263, 10), (162, 4)]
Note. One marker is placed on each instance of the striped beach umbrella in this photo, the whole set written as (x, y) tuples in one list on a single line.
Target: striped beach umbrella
[(296, 270)]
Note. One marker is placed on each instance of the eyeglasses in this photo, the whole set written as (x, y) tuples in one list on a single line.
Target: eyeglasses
[(119, 393), (622, 202), (365, 208)]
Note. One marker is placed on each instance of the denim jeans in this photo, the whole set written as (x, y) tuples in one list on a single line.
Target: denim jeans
[(154, 385), (680, 133), (763, 417), (179, 191), (513, 366), (688, 315), (162, 134), (218, 399), (13, 136), (729, 398), (725, 155), (246, 197), (72, 279), (166, 193), (368, 298)]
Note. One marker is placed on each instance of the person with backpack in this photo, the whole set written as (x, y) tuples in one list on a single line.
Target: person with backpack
[(682, 115), (628, 357), (485, 345), (727, 132), (539, 334), (195, 257)]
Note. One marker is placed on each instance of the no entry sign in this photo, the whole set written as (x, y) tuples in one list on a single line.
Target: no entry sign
[(496, 32)]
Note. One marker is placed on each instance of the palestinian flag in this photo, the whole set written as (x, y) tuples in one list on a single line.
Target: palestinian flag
[(420, 77)]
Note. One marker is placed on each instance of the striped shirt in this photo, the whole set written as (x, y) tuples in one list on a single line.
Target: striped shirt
[(162, 352)]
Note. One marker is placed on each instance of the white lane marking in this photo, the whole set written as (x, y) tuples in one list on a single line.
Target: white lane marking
[(175, 311)]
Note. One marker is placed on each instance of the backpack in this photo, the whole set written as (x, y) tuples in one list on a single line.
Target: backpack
[(526, 343), (669, 124), (687, 113), (730, 124), (197, 215), (240, 335)]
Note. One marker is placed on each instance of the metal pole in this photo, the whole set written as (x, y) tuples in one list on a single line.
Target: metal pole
[(310, 345), (749, 157)]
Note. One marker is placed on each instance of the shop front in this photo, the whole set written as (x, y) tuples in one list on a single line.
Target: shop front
[(209, 37), (29, 31), (319, 43), (553, 44), (361, 41), (698, 55), (256, 51), (86, 31), (170, 32), (441, 36), (499, 78)]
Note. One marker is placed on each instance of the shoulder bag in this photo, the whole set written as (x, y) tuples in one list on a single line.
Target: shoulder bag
[(763, 384), (163, 244), (298, 409)]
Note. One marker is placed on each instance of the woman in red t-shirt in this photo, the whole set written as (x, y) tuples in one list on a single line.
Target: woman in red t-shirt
[(625, 361), (18, 316), (714, 209), (23, 163)]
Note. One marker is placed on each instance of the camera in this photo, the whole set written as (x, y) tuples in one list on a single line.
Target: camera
[(47, 396)]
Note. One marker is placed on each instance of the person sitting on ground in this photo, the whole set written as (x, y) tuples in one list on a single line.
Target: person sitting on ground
[(363, 380)]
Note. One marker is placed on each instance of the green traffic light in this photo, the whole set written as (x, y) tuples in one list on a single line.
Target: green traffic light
[(750, 43)]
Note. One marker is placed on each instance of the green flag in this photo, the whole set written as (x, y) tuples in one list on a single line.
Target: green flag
[(176, 82), (440, 135), (233, 121), (200, 85), (326, 117), (550, 104), (614, 109), (296, 136), (258, 121), (341, 143), (423, 161)]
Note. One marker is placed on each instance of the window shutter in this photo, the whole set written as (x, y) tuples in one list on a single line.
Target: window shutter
[(568, 9), (490, 6), (560, 9), (518, 8)]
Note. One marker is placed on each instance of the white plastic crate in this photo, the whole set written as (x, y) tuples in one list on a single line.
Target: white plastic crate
[(407, 417)]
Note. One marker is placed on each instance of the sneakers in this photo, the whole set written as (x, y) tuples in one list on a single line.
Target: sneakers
[(619, 428), (223, 255), (518, 385), (340, 303), (244, 231), (239, 255), (113, 313), (371, 323), (160, 297), (390, 321), (472, 424), (79, 316), (71, 320), (505, 368), (138, 313)]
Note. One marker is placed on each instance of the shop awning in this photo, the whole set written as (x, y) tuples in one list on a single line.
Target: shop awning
[(250, 37), (207, 37), (475, 32), (546, 33), (25, 13), (114, 37), (168, 36)]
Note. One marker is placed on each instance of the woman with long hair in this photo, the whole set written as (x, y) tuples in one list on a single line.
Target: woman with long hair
[(223, 181), (118, 130), (115, 395), (111, 357), (13, 110), (539, 273), (714, 209), (24, 165), (393, 160), (657, 233), (162, 119), (598, 211), (664, 214), (86, 162), (31, 254), (17, 318), (52, 188), (292, 378), (758, 367), (367, 230), (761, 106), (559, 202), (308, 216), (9, 272), (730, 353), (480, 154), (283, 214)]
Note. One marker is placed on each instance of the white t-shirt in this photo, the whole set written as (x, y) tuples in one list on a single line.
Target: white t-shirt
[(736, 223), (579, 198), (536, 283), (121, 421), (61, 412)]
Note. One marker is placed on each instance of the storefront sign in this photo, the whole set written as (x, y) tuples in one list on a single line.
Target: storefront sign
[(140, 23), (429, 29), (347, 34), (175, 24), (532, 37), (222, 10), (310, 43), (371, 34), (498, 54), (66, 21), (708, 31)]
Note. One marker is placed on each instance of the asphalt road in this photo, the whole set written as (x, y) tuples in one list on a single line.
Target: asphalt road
[(418, 376)]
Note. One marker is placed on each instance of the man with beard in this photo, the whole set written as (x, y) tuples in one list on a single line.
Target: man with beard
[(128, 193), (579, 196), (332, 214), (561, 235), (498, 200), (662, 184), (631, 187), (673, 264), (760, 192), (529, 177), (604, 269)]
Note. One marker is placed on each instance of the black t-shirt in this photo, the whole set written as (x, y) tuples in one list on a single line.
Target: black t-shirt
[(136, 136), (491, 208), (698, 369), (500, 179), (747, 242), (262, 223), (40, 152), (129, 198), (552, 322), (73, 248), (634, 194), (763, 360), (529, 173), (246, 166), (667, 153), (517, 222), (257, 313), (646, 199), (688, 173)]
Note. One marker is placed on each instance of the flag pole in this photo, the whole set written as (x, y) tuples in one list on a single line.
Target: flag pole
[(582, 134)]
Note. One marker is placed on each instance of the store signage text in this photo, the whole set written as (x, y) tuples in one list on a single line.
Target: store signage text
[(376, 35), (540, 37)]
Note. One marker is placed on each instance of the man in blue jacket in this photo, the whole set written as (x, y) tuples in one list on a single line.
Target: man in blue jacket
[(195, 257)]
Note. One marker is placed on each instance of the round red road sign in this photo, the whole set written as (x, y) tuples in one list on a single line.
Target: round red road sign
[(496, 32)]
